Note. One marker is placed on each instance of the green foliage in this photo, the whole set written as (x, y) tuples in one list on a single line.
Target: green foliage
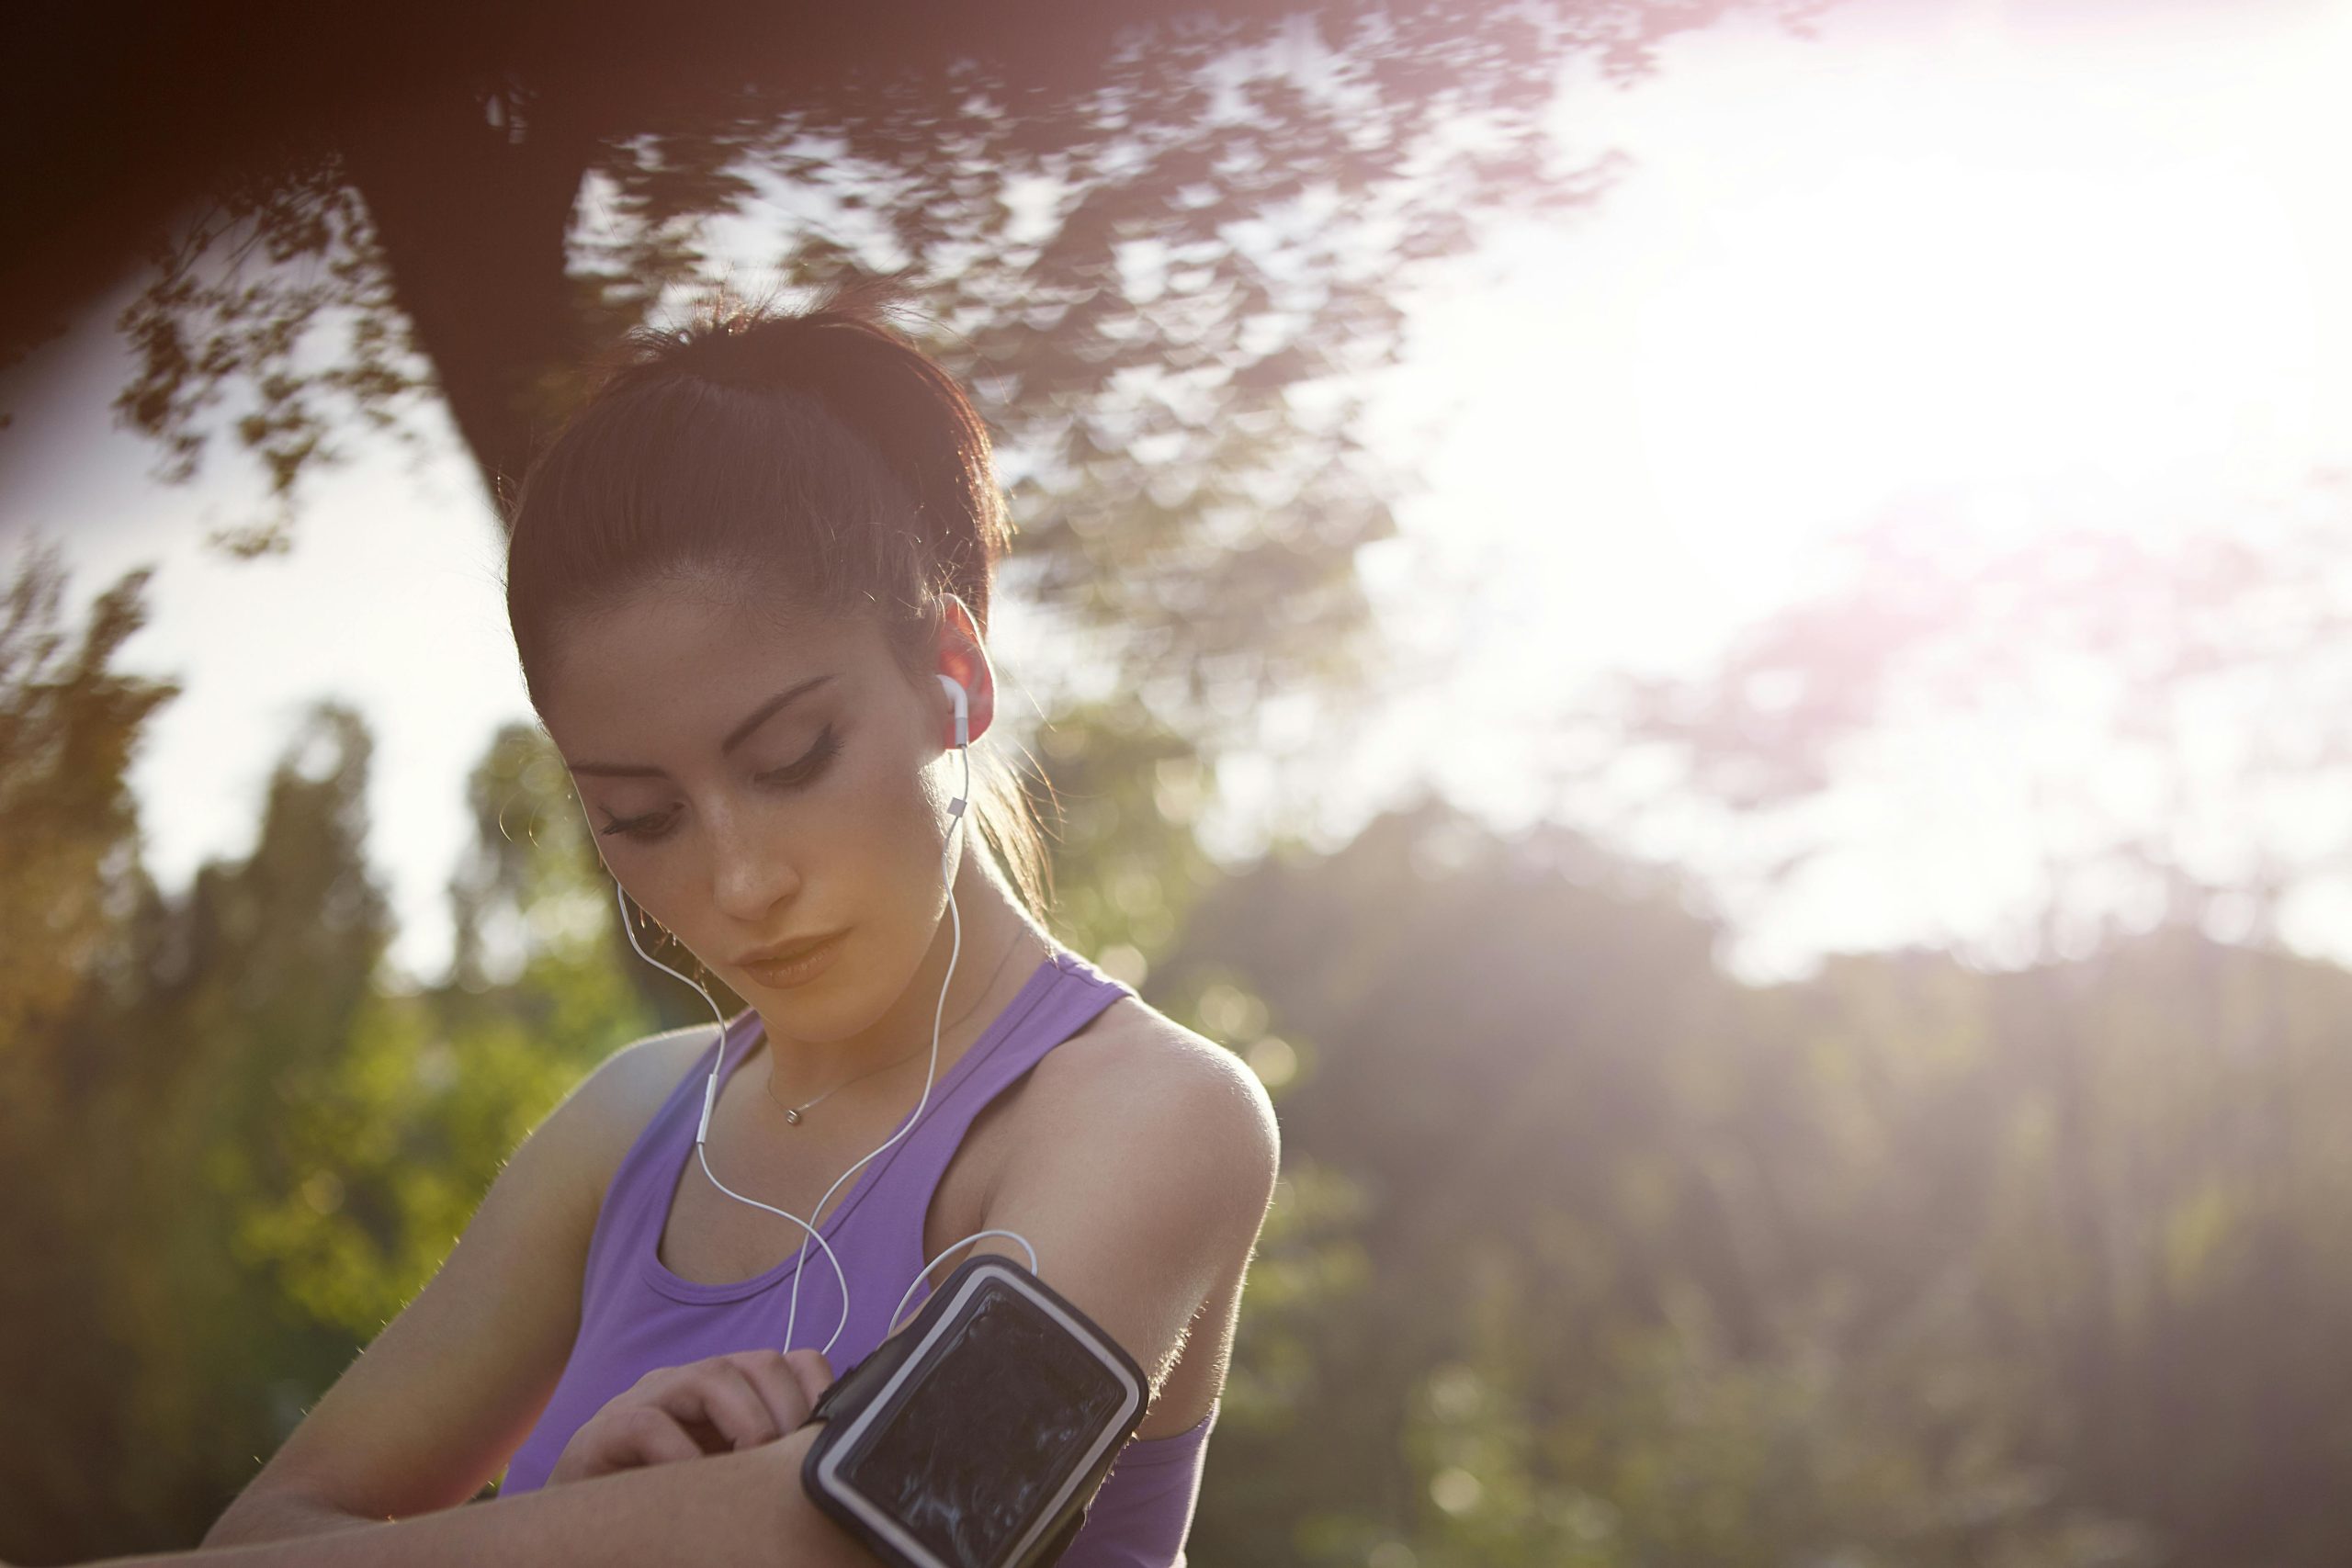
[(1582, 1253), (1119, 794), (232, 1154), (436, 1090), (68, 726), (1908, 1264)]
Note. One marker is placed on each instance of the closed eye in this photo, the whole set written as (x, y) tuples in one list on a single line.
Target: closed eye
[(653, 828)]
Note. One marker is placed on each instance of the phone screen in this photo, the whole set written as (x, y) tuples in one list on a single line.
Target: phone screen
[(973, 1446)]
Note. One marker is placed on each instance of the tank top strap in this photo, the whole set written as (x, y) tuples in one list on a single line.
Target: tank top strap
[(1075, 992)]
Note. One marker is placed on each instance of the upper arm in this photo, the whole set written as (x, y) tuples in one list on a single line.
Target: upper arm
[(430, 1410), (1149, 1192)]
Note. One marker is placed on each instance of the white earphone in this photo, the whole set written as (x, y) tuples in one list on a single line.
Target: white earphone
[(956, 694)]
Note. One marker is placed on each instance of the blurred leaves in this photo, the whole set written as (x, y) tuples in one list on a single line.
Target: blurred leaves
[(1889, 1267), (1583, 1253), (1166, 248), (68, 727), (1119, 794), (237, 296)]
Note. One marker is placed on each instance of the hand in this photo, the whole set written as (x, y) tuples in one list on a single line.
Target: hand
[(735, 1401)]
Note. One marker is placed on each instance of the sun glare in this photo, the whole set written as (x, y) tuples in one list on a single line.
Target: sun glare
[(2015, 273), (1937, 325)]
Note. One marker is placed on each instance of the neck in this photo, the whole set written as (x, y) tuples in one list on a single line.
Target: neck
[(1001, 949)]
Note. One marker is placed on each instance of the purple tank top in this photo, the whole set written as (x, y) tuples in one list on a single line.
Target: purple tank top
[(636, 1315)]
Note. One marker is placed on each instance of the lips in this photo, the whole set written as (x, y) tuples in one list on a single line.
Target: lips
[(783, 951)]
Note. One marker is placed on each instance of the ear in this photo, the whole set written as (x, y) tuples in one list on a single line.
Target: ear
[(961, 658)]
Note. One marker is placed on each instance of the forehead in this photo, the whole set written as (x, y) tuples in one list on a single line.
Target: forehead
[(677, 666)]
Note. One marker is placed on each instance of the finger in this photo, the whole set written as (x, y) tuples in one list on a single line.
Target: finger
[(776, 1385), (708, 1439), (716, 1390), (788, 1399), (724, 1398), (815, 1372), (638, 1436)]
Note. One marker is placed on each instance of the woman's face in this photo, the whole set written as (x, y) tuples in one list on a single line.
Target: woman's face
[(754, 785)]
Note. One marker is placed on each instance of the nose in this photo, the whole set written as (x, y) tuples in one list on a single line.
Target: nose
[(754, 868)]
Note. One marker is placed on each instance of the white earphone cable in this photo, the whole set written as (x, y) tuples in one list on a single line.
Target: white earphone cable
[(711, 1090), (976, 1235), (931, 1072), (709, 1098)]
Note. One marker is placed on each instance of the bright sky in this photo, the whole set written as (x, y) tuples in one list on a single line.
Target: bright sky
[(2023, 266), (2037, 264)]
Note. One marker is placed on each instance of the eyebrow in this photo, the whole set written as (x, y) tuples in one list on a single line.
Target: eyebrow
[(735, 737)]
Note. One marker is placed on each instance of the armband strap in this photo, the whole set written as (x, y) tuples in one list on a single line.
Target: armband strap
[(975, 1437)]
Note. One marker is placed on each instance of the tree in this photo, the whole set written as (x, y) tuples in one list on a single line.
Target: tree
[(69, 881), (231, 1155), (1595, 1256), (1165, 243), (1583, 1253)]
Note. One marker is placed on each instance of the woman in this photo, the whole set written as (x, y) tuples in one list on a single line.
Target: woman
[(736, 579)]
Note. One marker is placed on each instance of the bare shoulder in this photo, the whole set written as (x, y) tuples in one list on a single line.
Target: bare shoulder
[(434, 1407), (1150, 1097), (603, 1115), (1134, 1057), (644, 1072), (1140, 1165)]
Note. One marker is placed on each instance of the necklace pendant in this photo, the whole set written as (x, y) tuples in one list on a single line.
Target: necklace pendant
[(791, 1117)]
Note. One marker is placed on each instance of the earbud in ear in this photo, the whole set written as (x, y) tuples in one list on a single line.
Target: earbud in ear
[(963, 709), (963, 737)]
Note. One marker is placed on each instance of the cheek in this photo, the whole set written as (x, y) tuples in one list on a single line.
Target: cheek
[(893, 809)]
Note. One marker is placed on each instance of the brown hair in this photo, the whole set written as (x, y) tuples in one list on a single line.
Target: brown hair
[(818, 453)]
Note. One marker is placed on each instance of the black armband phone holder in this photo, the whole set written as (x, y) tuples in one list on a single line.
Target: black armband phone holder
[(975, 1437)]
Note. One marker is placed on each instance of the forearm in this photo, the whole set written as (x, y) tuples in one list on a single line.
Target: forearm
[(737, 1510), (279, 1515)]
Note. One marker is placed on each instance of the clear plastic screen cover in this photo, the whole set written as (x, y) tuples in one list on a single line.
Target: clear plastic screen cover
[(986, 1428)]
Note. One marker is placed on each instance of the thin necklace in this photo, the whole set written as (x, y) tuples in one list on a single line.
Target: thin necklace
[(792, 1113)]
